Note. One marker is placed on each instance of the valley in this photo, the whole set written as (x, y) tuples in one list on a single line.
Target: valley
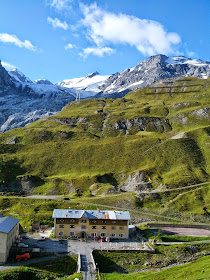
[(147, 153), (151, 146)]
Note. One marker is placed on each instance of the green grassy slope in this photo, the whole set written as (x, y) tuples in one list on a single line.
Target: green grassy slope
[(162, 131), (164, 256), (195, 270)]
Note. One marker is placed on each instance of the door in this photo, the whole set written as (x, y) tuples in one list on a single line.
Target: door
[(83, 234)]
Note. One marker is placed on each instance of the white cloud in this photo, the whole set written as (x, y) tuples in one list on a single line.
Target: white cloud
[(98, 51), (12, 39), (7, 65), (149, 37), (56, 23), (61, 4), (69, 46), (191, 54)]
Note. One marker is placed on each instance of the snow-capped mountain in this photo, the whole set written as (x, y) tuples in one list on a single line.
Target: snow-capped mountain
[(43, 82), (23, 101), (19, 77), (151, 70), (88, 86)]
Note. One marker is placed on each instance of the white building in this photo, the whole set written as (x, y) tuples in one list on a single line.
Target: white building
[(9, 231)]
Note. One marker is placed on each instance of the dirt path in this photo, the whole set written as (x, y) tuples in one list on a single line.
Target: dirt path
[(178, 189), (136, 211)]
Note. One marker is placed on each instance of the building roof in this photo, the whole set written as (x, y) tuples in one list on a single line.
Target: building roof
[(7, 223), (91, 214)]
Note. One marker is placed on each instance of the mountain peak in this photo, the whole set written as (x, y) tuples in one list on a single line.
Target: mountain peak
[(5, 78), (92, 74), (18, 76), (43, 82)]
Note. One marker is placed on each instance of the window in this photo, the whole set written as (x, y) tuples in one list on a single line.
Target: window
[(71, 234), (93, 221), (121, 228), (103, 222), (113, 222), (94, 227), (103, 234), (113, 227), (61, 226), (71, 226), (112, 234), (121, 235), (61, 233), (72, 221), (103, 227), (83, 227), (83, 221), (93, 234), (61, 220)]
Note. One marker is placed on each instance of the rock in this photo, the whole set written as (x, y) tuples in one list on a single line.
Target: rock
[(142, 124), (13, 140), (140, 196), (23, 185), (135, 183), (203, 113)]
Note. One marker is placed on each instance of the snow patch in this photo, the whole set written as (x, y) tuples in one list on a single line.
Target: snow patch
[(184, 60), (88, 85), (18, 76)]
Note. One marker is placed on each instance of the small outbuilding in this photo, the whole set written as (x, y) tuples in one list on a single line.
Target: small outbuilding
[(9, 232)]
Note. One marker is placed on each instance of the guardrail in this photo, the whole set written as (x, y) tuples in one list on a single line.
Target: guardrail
[(93, 261), (79, 264), (162, 225)]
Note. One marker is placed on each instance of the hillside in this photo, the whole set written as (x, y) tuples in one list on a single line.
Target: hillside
[(154, 139), (23, 101)]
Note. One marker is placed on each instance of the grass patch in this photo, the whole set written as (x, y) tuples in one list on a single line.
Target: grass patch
[(60, 266), (195, 270), (178, 238), (25, 273), (164, 256), (47, 270)]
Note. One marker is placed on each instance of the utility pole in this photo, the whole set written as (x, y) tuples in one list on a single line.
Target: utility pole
[(77, 94)]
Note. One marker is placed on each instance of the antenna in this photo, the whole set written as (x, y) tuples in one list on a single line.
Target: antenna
[(77, 94)]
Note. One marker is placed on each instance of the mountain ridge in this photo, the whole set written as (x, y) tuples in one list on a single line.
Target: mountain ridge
[(23, 101)]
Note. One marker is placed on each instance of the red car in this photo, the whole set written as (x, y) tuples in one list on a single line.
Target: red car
[(102, 240)]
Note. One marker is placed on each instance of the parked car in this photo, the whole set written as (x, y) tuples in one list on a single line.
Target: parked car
[(22, 257), (22, 245), (36, 250), (43, 238), (25, 237)]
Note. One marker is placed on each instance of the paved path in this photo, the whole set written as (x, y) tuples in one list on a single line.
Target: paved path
[(185, 242), (57, 197), (87, 269)]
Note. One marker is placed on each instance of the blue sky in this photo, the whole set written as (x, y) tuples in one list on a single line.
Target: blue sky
[(63, 39)]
